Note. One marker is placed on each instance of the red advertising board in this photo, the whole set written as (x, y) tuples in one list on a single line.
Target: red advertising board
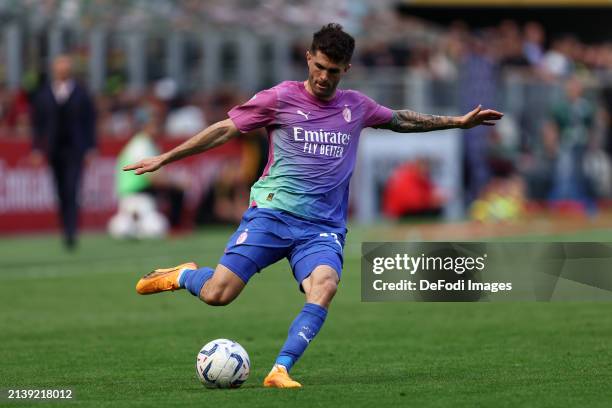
[(27, 196)]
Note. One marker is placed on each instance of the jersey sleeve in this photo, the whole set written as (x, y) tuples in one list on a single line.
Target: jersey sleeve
[(259, 111), (374, 113)]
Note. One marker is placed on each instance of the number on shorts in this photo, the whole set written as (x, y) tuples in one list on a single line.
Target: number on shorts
[(333, 235)]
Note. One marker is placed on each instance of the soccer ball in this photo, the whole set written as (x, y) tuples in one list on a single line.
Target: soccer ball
[(223, 363)]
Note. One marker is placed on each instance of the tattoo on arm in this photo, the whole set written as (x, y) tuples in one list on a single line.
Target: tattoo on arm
[(407, 121)]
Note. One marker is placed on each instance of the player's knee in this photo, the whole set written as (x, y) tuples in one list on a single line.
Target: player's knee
[(327, 287)]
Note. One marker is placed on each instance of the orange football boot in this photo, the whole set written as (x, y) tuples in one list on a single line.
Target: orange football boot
[(279, 378), (161, 280)]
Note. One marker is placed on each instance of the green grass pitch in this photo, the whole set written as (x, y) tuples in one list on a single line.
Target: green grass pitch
[(75, 321)]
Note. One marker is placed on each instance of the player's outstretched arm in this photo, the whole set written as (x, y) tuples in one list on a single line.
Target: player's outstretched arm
[(211, 137), (407, 121)]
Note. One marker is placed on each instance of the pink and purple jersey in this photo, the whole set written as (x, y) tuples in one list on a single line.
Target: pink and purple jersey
[(313, 147)]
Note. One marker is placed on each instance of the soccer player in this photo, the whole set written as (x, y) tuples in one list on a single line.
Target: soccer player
[(299, 205)]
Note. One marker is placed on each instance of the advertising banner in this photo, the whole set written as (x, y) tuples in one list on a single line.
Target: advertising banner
[(27, 195)]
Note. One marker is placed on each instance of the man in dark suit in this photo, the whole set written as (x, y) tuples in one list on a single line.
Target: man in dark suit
[(64, 132)]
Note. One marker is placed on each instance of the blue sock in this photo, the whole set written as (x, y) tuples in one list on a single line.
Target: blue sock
[(194, 279), (303, 329)]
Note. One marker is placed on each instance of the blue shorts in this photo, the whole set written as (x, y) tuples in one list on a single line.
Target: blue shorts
[(266, 236)]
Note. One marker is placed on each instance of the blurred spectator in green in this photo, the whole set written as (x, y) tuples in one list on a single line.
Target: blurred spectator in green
[(539, 165), (138, 215), (571, 121)]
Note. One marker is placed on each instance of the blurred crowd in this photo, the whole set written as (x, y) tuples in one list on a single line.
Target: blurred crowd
[(440, 53), (556, 149), (554, 146), (119, 113), (390, 39), (258, 16)]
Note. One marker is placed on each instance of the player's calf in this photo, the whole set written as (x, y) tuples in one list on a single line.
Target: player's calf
[(217, 296), (321, 286), (223, 287)]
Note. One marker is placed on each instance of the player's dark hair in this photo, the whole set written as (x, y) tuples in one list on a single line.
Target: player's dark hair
[(332, 41)]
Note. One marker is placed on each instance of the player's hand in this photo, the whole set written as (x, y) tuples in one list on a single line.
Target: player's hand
[(478, 116), (145, 165)]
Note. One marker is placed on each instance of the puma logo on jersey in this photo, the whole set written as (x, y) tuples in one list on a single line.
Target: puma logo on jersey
[(299, 112), (302, 335)]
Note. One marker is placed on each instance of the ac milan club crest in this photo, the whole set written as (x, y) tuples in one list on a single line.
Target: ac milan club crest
[(346, 113), (242, 237)]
